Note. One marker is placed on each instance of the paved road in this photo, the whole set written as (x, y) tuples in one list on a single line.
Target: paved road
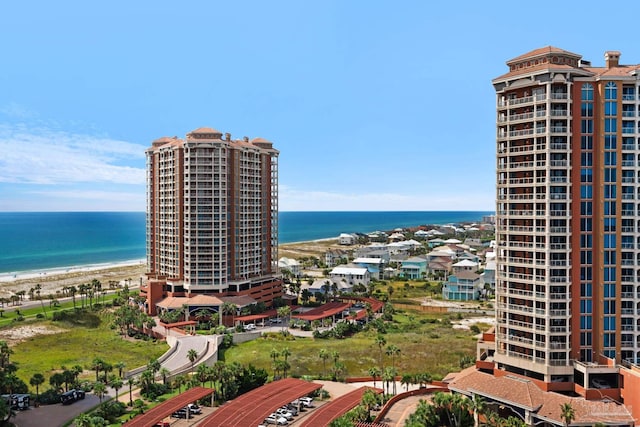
[(400, 411), (54, 415)]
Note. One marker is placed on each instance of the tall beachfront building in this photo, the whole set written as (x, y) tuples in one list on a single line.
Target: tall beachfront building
[(212, 218), (568, 220)]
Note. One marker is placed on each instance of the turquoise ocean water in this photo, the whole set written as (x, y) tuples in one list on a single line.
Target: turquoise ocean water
[(45, 240)]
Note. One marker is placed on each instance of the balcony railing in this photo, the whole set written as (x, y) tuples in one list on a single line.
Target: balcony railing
[(558, 129)]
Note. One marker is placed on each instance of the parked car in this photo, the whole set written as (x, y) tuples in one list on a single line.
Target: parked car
[(284, 413), (275, 320), (71, 396), (277, 420), (291, 408), (181, 413), (249, 326), (194, 409), (307, 401)]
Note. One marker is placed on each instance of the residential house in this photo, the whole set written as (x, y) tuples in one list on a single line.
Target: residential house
[(464, 265), (378, 236), (464, 286), (373, 250), (396, 237), (435, 242), (291, 265), (469, 256), (421, 234), (351, 274), (489, 275), (318, 286), (374, 265), (347, 239), (334, 257), (414, 267)]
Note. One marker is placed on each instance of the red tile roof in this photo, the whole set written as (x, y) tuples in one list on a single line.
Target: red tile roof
[(520, 392), (543, 51)]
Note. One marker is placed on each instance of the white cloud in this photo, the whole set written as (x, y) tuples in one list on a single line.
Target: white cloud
[(45, 156), (292, 199)]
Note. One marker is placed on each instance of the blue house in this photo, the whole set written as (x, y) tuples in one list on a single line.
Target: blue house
[(414, 268), (464, 286)]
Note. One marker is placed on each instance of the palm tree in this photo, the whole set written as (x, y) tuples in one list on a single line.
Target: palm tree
[(479, 408), (374, 371), (284, 312), (305, 295), (100, 389), (131, 382), (285, 353), (164, 373), (202, 373), (406, 380), (324, 355), (369, 401), (192, 355), (388, 375), (5, 354), (201, 315), (154, 365), (335, 356), (35, 381), (146, 380), (381, 342), (567, 413), (73, 291), (229, 308), (179, 381), (97, 364), (116, 383), (274, 354), (120, 367), (38, 288), (392, 351)]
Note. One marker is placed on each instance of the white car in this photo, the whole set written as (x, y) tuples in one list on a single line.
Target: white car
[(307, 401), (284, 413), (276, 419), (249, 327), (194, 409)]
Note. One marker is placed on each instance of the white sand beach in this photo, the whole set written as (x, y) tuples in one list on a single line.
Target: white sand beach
[(54, 280)]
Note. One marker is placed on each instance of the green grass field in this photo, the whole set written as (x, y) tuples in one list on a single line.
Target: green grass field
[(426, 344), (79, 344)]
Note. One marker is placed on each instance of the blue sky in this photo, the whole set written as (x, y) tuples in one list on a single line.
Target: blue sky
[(373, 105)]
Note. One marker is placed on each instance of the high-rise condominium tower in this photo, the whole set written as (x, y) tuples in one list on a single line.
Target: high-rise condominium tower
[(568, 218), (212, 217)]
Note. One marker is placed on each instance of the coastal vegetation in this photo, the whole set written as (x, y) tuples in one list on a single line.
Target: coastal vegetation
[(418, 337)]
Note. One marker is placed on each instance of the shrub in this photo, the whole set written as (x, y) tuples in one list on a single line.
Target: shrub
[(49, 397), (475, 329), (111, 410)]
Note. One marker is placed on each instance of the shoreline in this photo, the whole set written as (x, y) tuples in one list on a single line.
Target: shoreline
[(14, 276)]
